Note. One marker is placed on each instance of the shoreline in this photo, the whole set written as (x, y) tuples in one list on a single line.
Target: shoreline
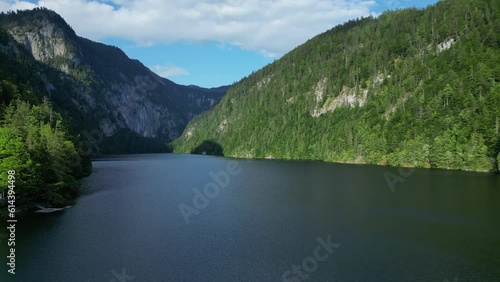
[(355, 162)]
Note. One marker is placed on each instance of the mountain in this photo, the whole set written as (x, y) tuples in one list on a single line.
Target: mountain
[(413, 88), (63, 97), (96, 87)]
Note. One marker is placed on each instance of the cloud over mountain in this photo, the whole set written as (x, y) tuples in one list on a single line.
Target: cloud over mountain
[(270, 27)]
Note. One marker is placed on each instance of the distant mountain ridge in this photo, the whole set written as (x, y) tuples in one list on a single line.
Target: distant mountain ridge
[(100, 87), (413, 87)]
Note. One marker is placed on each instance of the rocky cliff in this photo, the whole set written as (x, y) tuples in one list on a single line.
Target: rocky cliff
[(98, 86)]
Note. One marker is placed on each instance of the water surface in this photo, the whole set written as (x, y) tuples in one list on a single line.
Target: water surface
[(127, 225)]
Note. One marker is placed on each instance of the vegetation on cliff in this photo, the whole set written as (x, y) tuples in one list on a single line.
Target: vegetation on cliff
[(413, 87)]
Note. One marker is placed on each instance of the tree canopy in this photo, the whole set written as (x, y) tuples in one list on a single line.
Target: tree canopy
[(34, 143)]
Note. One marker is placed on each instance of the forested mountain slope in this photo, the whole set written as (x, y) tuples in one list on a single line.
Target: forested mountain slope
[(413, 87), (99, 87)]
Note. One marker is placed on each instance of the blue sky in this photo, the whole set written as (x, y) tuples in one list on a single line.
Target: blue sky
[(207, 43), (207, 64)]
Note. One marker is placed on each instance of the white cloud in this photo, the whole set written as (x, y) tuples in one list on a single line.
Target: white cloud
[(168, 70), (16, 5), (270, 27)]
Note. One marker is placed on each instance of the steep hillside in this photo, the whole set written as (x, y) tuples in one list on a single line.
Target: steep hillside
[(35, 141), (99, 87), (409, 88)]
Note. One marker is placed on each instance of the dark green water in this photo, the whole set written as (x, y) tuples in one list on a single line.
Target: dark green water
[(127, 225)]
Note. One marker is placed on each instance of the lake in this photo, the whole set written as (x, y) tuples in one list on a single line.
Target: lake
[(139, 219)]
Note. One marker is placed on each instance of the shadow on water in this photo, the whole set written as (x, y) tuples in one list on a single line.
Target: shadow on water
[(209, 147)]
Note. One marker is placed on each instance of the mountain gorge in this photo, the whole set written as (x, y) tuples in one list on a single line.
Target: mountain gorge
[(64, 98), (96, 86), (413, 87)]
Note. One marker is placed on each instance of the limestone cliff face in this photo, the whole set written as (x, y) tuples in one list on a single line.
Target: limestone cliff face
[(44, 44), (113, 91), (47, 37)]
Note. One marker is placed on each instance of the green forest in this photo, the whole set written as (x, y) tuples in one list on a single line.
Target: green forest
[(36, 145), (35, 140), (413, 88)]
